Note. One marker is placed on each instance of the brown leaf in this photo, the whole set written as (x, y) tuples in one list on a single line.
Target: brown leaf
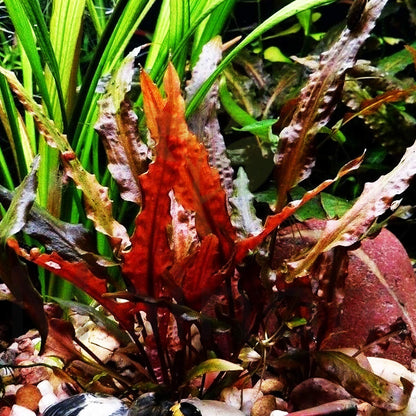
[(60, 342), (373, 202), (117, 126), (370, 106), (317, 101), (204, 123)]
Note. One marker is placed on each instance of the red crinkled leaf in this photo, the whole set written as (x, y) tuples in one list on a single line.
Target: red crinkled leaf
[(81, 276), (198, 276), (181, 165)]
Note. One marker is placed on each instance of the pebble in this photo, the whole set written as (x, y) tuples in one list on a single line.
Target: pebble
[(45, 387), (264, 406), (21, 411), (28, 396), (271, 385)]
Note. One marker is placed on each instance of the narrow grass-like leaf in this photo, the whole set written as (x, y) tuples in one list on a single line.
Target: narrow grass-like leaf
[(26, 36), (211, 26), (278, 17), (123, 22), (14, 130), (65, 31), (47, 51), (98, 204), (159, 52), (179, 23)]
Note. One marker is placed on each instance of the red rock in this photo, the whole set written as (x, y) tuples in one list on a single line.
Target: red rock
[(373, 292)]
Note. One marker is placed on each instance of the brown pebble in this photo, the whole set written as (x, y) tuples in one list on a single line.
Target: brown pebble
[(271, 385), (264, 406), (28, 396)]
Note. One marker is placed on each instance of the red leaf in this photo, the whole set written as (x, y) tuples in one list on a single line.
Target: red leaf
[(60, 342), (80, 275), (180, 165)]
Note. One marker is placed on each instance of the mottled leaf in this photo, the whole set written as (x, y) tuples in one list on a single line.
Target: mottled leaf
[(373, 202), (13, 271), (98, 204), (244, 214), (204, 123), (362, 383), (317, 101), (370, 106), (117, 126), (24, 197)]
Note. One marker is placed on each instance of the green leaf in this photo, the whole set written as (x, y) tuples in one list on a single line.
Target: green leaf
[(311, 209), (26, 35), (16, 215), (212, 365), (274, 54), (334, 207), (362, 383)]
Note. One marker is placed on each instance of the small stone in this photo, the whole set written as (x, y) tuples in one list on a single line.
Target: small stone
[(271, 385), (5, 411), (46, 401), (264, 406), (21, 411), (28, 396), (45, 387), (278, 413)]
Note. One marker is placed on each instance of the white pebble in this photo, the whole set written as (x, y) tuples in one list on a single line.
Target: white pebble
[(278, 413), (45, 387), (46, 401), (11, 389), (21, 411)]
